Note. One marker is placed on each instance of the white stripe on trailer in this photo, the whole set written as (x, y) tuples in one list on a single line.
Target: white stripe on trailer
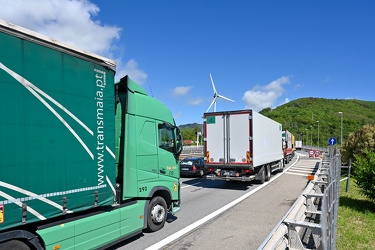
[(29, 209)]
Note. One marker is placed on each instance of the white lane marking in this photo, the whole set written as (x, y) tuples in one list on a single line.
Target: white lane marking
[(303, 167), (192, 185), (297, 174), (301, 171), (198, 223)]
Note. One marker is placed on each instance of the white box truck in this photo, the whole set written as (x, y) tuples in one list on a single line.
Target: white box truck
[(242, 145), (298, 145)]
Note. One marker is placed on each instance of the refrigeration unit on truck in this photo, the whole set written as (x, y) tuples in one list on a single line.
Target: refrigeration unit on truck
[(242, 145), (84, 162), (288, 146)]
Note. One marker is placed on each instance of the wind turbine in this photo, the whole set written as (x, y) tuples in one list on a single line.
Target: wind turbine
[(216, 95)]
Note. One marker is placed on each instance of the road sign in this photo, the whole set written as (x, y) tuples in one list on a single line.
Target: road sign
[(317, 153), (332, 141), (311, 153)]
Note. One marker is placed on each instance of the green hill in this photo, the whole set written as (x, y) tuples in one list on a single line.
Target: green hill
[(299, 115)]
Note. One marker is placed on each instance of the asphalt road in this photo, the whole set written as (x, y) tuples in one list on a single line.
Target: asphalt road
[(227, 215)]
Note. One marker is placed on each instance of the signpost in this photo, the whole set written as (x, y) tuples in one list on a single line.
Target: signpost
[(332, 141)]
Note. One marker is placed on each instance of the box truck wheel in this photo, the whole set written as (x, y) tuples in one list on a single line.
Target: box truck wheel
[(157, 214), (261, 177), (281, 166), (14, 245), (268, 173)]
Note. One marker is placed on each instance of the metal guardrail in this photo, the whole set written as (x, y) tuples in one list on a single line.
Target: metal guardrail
[(312, 220)]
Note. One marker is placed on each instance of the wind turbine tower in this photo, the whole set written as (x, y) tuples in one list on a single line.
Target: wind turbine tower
[(216, 95)]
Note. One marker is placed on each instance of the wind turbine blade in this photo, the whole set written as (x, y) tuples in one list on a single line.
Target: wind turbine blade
[(213, 101), (213, 85), (226, 98)]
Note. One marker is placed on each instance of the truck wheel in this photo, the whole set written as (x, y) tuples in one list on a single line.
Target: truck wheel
[(281, 166), (268, 173), (157, 214), (201, 173), (262, 176), (14, 245)]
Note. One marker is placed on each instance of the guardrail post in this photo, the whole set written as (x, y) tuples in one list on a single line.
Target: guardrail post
[(348, 180)]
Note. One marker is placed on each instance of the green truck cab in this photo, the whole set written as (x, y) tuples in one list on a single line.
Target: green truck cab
[(86, 162)]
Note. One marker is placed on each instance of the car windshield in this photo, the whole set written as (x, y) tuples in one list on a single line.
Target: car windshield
[(187, 162)]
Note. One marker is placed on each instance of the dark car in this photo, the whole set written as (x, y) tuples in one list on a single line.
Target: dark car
[(193, 166)]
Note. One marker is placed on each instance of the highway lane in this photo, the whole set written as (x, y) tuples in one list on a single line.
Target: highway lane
[(200, 198)]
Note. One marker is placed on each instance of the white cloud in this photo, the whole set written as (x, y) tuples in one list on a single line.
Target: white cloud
[(195, 101), (131, 69), (75, 23), (261, 97), (181, 90), (177, 115), (70, 22), (286, 100)]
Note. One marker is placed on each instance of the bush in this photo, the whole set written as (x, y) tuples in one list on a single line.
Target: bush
[(365, 173), (357, 142)]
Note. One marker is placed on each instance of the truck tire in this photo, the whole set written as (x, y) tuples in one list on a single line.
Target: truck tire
[(201, 173), (14, 245), (268, 173), (262, 176), (157, 214), (281, 166)]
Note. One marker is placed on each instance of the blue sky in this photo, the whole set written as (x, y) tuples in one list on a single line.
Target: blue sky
[(260, 53)]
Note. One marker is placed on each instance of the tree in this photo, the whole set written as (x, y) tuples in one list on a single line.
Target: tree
[(358, 142), (365, 173)]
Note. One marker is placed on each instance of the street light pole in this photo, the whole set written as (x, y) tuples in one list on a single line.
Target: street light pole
[(318, 134), (311, 137), (307, 136), (341, 126)]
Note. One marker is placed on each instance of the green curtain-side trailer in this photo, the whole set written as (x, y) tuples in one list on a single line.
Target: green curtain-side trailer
[(56, 130), (85, 161)]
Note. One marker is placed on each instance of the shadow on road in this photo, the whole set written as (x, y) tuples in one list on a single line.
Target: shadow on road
[(219, 184)]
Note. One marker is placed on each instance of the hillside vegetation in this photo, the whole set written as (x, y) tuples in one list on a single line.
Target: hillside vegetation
[(300, 117)]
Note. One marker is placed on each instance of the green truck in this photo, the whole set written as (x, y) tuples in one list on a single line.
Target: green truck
[(85, 162)]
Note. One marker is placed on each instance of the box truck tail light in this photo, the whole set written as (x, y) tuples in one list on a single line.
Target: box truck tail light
[(208, 156), (248, 157)]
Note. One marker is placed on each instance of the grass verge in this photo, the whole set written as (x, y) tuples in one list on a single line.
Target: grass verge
[(356, 219)]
